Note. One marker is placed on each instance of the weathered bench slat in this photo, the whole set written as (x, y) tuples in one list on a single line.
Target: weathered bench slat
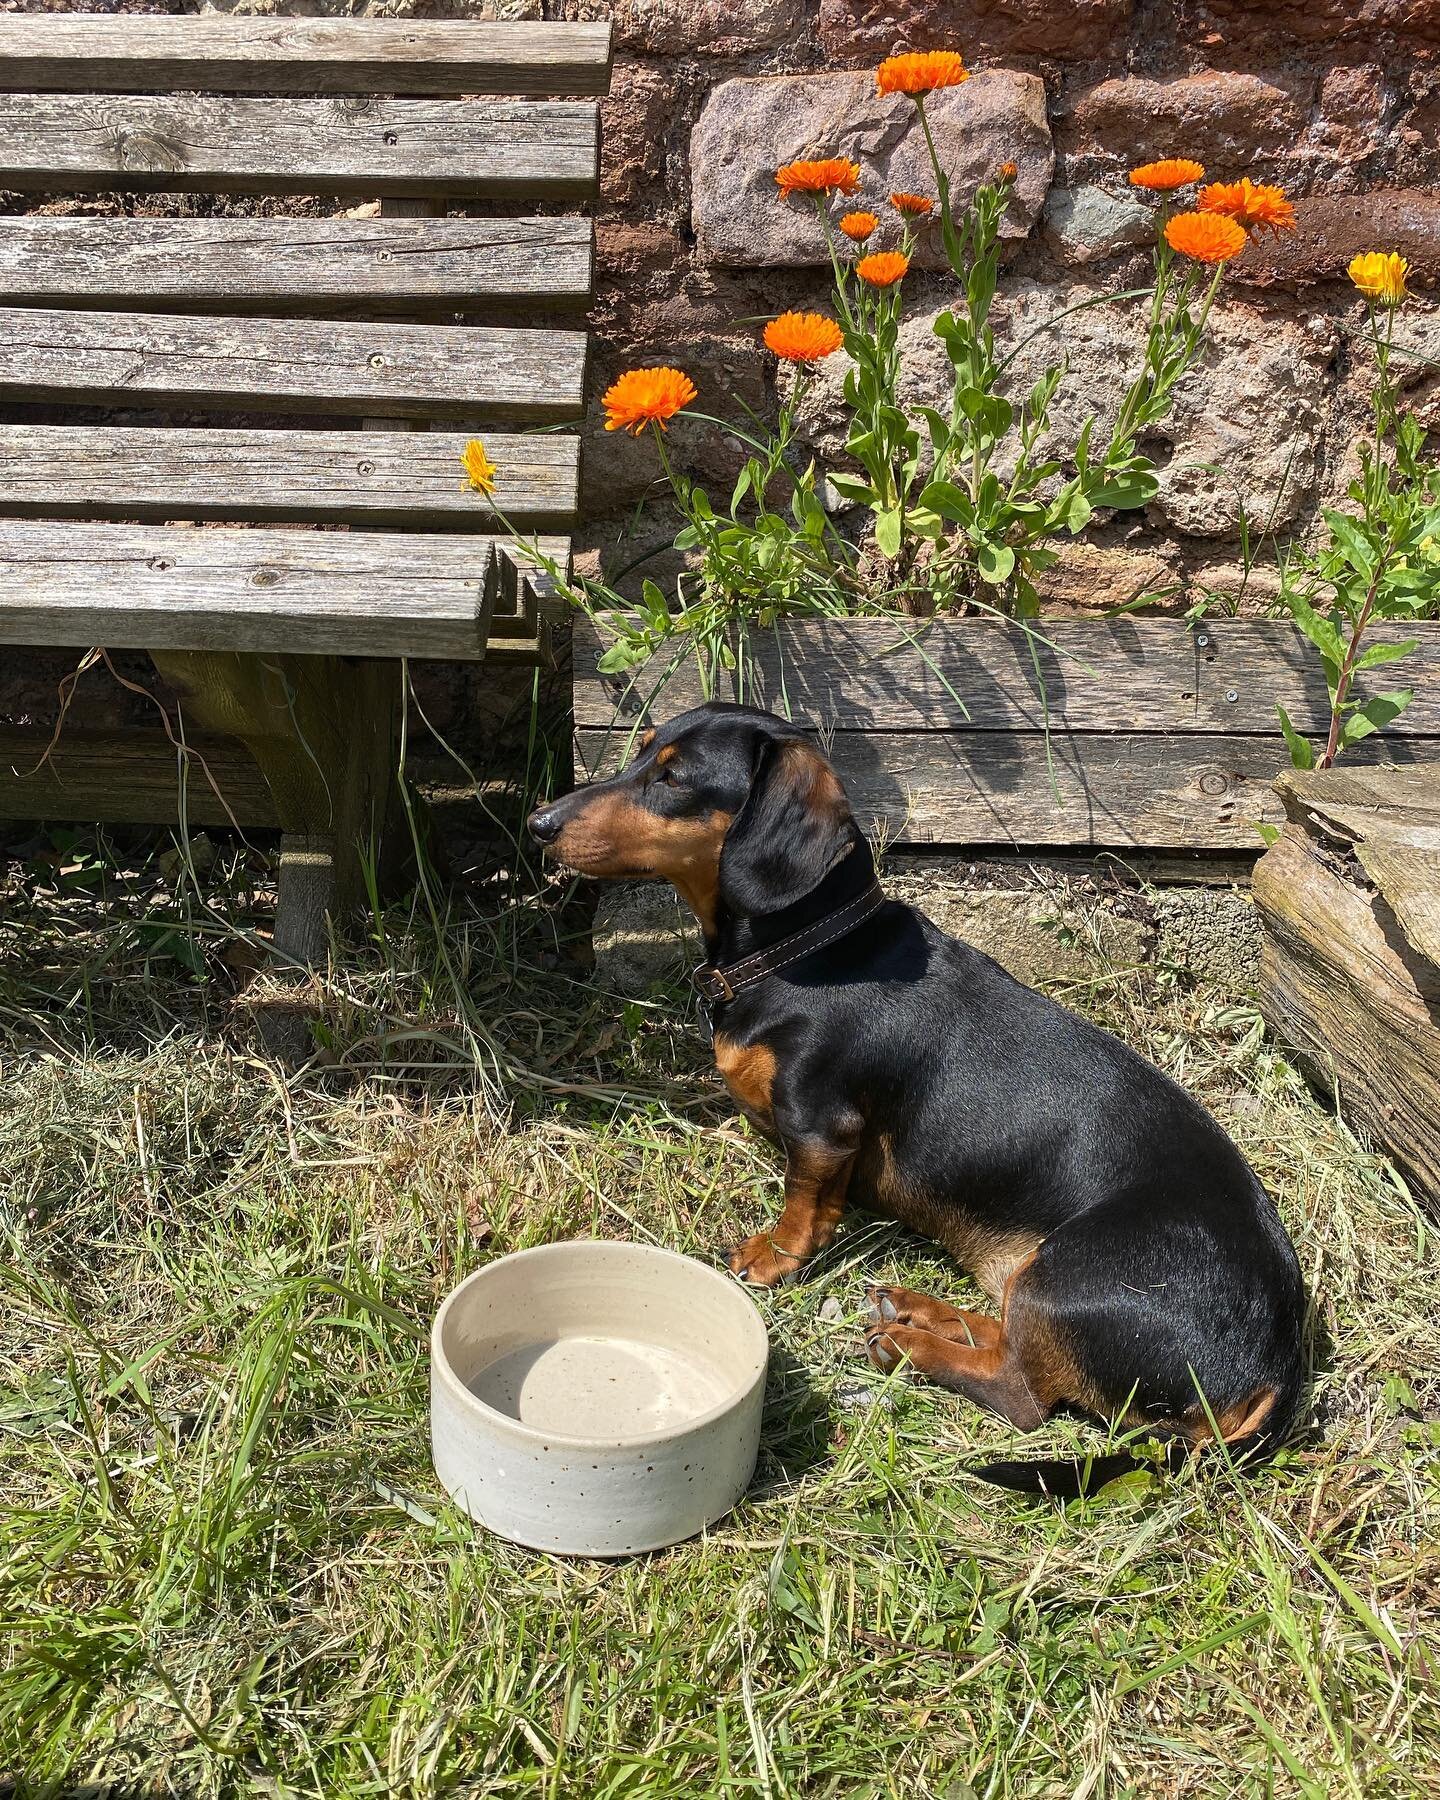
[(343, 593), (130, 777), (152, 54), (994, 788), (227, 262), (1101, 675), (389, 370), (478, 149), (373, 476)]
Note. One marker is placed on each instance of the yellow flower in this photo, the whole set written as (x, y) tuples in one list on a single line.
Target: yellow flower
[(1380, 276), (479, 467)]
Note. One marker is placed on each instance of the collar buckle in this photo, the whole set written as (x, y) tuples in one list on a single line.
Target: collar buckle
[(711, 984)]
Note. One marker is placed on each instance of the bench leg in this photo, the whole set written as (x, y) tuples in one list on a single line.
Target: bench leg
[(324, 733)]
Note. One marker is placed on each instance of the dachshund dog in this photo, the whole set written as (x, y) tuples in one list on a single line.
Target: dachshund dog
[(1138, 1267)]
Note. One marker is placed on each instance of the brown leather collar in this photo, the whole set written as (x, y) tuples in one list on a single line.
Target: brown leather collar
[(717, 985)]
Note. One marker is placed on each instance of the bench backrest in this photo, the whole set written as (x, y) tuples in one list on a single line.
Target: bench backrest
[(344, 360)]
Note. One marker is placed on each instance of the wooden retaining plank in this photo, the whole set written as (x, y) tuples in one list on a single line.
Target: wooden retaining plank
[(470, 149), (1094, 675), (129, 777), (280, 364), (994, 788), (248, 262), (157, 54), (344, 593), (376, 477)]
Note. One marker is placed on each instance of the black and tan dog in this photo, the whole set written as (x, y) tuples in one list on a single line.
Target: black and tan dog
[(1139, 1268)]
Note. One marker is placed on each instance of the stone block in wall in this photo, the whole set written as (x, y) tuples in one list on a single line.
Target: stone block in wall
[(1242, 23), (1071, 29), (749, 127), (704, 27), (1331, 228), (1087, 223), (634, 118), (1090, 579), (1224, 118)]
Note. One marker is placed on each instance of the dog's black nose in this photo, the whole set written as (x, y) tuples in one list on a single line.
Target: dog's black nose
[(545, 824)]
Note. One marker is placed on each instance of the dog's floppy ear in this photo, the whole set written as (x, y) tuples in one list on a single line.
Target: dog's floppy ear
[(792, 830)]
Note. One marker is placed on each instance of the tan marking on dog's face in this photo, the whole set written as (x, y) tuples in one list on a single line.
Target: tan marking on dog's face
[(612, 838), (647, 738)]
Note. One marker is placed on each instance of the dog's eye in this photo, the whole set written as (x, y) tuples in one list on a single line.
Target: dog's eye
[(671, 776)]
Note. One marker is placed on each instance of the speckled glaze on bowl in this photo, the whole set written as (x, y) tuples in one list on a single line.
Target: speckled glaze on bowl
[(596, 1398)]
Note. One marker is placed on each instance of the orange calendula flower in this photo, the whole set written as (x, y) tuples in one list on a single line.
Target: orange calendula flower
[(1205, 237), (833, 175), (1254, 206), (643, 397), (921, 72), (1007, 171), (802, 337), (1164, 177), (478, 467), (857, 226), (1380, 276), (883, 269), (913, 206)]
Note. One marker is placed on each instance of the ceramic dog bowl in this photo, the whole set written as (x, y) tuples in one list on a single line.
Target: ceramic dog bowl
[(596, 1398)]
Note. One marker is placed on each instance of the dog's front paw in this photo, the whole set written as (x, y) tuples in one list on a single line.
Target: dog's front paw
[(758, 1262)]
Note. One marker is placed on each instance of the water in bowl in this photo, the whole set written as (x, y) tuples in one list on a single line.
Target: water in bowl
[(607, 1387)]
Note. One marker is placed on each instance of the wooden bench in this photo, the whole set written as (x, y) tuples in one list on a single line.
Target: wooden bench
[(212, 544)]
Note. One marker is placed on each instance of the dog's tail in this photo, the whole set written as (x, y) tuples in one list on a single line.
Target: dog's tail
[(1072, 1477)]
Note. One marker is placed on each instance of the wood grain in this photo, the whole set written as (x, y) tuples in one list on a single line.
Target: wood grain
[(1093, 675), (377, 476), (260, 262), (1359, 1012), (156, 54), (150, 587), (994, 788), (284, 364), (366, 146), (128, 777)]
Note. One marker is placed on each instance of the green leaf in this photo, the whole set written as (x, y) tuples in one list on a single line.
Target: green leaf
[(1385, 653), (887, 531), (995, 562), (1321, 632), (1136, 488), (949, 501), (1302, 751), (624, 654), (1269, 835), (1374, 715), (850, 487)]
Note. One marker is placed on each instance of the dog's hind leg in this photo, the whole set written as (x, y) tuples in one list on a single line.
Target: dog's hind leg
[(1013, 1366), (903, 1306)]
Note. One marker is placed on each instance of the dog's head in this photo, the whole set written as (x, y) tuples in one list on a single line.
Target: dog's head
[(733, 806)]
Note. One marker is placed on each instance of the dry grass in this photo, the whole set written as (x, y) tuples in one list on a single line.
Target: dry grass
[(226, 1565)]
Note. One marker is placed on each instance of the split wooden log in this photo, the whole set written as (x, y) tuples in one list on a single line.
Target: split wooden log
[(1349, 898)]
